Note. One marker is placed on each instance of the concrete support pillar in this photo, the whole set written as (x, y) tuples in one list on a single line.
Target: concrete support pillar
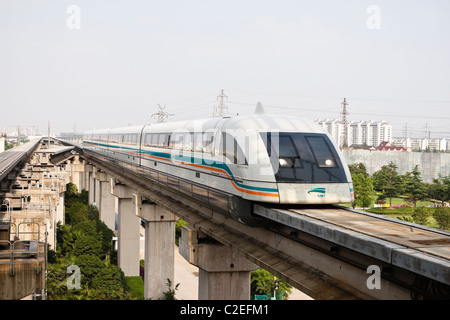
[(60, 209), (223, 274), (105, 199), (91, 187), (159, 248), (128, 231), (87, 175), (77, 169), (98, 191)]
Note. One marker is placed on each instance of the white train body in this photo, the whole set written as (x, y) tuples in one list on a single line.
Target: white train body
[(255, 158)]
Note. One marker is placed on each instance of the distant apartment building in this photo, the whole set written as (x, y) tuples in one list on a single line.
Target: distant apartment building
[(2, 144), (369, 133), (431, 144)]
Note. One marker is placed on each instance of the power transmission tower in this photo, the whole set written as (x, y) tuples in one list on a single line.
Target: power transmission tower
[(221, 109), (161, 115), (344, 113)]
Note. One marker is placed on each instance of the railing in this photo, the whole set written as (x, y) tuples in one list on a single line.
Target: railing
[(21, 249)]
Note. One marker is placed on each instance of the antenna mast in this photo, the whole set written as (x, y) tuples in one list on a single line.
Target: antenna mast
[(161, 115), (221, 109), (344, 113)]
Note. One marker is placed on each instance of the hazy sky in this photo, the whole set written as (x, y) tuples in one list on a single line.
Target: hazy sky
[(110, 63)]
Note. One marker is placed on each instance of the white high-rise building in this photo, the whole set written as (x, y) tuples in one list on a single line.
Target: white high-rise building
[(422, 143), (370, 133)]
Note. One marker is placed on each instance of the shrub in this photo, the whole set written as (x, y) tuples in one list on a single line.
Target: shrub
[(442, 217), (135, 286), (421, 215), (87, 245)]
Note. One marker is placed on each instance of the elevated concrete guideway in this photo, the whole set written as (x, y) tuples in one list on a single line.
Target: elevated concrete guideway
[(322, 267), (324, 252)]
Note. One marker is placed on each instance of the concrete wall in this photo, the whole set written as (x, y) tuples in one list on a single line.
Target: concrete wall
[(430, 164)]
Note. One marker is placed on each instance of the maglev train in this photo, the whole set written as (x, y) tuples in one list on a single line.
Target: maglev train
[(230, 163)]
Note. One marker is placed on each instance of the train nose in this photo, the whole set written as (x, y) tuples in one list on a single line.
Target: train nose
[(327, 193)]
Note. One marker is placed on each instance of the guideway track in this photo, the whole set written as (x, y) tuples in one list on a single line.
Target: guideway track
[(420, 252)]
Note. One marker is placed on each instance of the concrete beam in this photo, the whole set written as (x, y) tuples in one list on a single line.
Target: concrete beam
[(223, 274)]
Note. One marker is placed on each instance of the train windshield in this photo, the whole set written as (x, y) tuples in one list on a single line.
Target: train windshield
[(303, 157)]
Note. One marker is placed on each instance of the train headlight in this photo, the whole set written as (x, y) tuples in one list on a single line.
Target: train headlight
[(329, 163), (283, 162)]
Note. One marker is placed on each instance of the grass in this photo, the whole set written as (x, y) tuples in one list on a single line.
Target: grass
[(399, 212)]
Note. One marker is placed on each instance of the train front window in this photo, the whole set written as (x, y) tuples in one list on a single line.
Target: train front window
[(322, 152), (288, 155), (303, 157)]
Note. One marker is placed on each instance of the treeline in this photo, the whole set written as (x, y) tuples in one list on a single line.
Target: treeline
[(84, 266), (385, 184)]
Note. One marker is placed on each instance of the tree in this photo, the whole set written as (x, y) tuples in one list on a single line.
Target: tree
[(421, 215), (415, 189), (440, 189), (89, 265), (363, 189), (87, 245), (442, 217), (356, 168), (262, 282), (388, 181), (81, 243), (76, 212), (109, 281)]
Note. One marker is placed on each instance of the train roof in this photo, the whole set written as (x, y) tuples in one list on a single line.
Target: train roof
[(258, 122)]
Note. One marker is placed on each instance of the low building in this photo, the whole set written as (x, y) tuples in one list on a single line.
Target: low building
[(386, 146)]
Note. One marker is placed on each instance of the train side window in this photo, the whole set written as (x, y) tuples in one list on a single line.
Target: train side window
[(154, 141), (178, 141), (232, 150), (163, 140), (198, 142), (188, 141), (208, 139)]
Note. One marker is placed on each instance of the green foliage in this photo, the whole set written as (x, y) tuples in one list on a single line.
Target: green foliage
[(75, 213), (170, 293), (363, 189), (109, 279), (87, 245), (415, 189), (440, 189), (262, 283), (135, 286), (89, 265), (178, 226), (356, 168), (388, 181), (83, 241), (421, 215), (87, 227), (71, 190), (442, 217), (406, 218)]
